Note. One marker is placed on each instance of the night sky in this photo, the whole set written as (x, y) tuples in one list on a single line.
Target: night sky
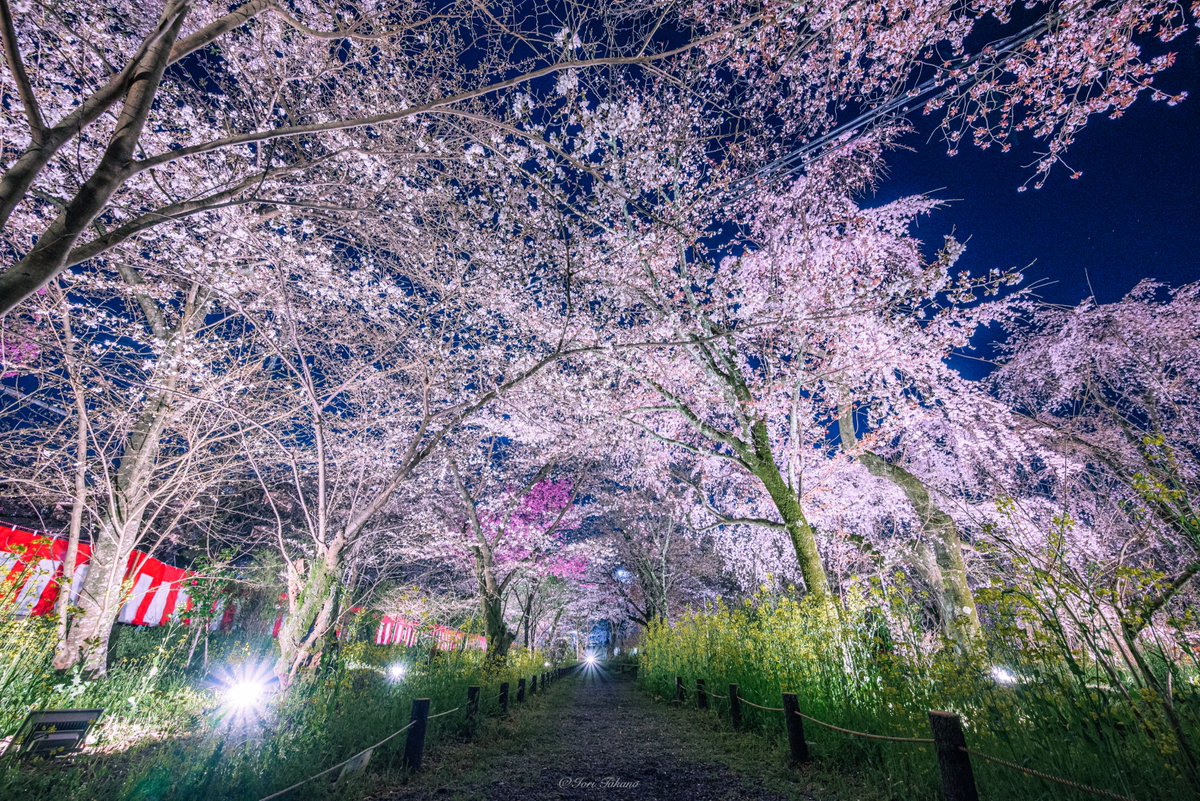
[(1134, 213)]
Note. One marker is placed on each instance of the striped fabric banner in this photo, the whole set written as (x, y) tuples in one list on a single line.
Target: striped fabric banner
[(31, 564), (397, 631)]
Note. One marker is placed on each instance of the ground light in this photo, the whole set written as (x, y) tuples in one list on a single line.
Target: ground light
[(244, 691), (397, 671), (590, 660), (244, 695)]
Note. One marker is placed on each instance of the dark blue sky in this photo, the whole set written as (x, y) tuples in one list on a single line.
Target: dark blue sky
[(1134, 213)]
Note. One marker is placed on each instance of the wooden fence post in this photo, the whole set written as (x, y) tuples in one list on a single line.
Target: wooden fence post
[(414, 746), (795, 729), (504, 698), (520, 691), (472, 709), (533, 685), (679, 694), (958, 780), (735, 707), (701, 695)]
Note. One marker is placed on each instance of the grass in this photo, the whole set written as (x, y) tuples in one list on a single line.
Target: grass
[(166, 736), (856, 673)]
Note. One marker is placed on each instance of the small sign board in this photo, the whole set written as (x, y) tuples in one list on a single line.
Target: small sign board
[(52, 732), (356, 764)]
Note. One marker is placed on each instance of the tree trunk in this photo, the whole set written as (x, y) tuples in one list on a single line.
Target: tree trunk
[(312, 609), (940, 562), (527, 620), (62, 654), (100, 601), (816, 581), (499, 637), (85, 638)]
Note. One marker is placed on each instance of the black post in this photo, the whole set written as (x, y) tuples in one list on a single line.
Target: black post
[(520, 690), (472, 709), (735, 707), (504, 698), (533, 685), (414, 746), (795, 729), (701, 695), (679, 694), (958, 780)]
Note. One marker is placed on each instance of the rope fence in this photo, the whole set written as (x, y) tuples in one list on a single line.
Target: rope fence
[(1086, 788), (948, 740), (887, 738), (440, 714), (763, 708), (368, 749), (415, 744)]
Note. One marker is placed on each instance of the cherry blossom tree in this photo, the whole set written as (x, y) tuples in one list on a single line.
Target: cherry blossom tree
[(319, 247), (515, 537), (1112, 389), (124, 120), (136, 406), (662, 563)]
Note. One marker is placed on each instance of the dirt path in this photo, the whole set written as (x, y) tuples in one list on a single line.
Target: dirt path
[(598, 736)]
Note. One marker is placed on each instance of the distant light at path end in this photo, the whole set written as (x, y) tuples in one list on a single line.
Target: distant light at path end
[(396, 671)]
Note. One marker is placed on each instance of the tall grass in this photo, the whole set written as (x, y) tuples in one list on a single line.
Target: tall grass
[(867, 667), (165, 734)]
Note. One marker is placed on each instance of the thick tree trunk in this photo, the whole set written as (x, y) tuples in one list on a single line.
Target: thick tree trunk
[(804, 541), (84, 638), (940, 561), (49, 255), (87, 639), (312, 610), (499, 637)]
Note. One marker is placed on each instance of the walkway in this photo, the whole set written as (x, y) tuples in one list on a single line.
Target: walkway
[(597, 736)]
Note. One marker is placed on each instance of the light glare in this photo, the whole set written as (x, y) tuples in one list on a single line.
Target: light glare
[(1002, 675), (244, 694)]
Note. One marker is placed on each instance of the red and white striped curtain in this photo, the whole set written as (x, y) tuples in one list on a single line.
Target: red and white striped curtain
[(31, 564), (397, 631)]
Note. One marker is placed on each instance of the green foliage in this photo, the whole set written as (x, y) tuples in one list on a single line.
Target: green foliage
[(165, 735), (867, 667)]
